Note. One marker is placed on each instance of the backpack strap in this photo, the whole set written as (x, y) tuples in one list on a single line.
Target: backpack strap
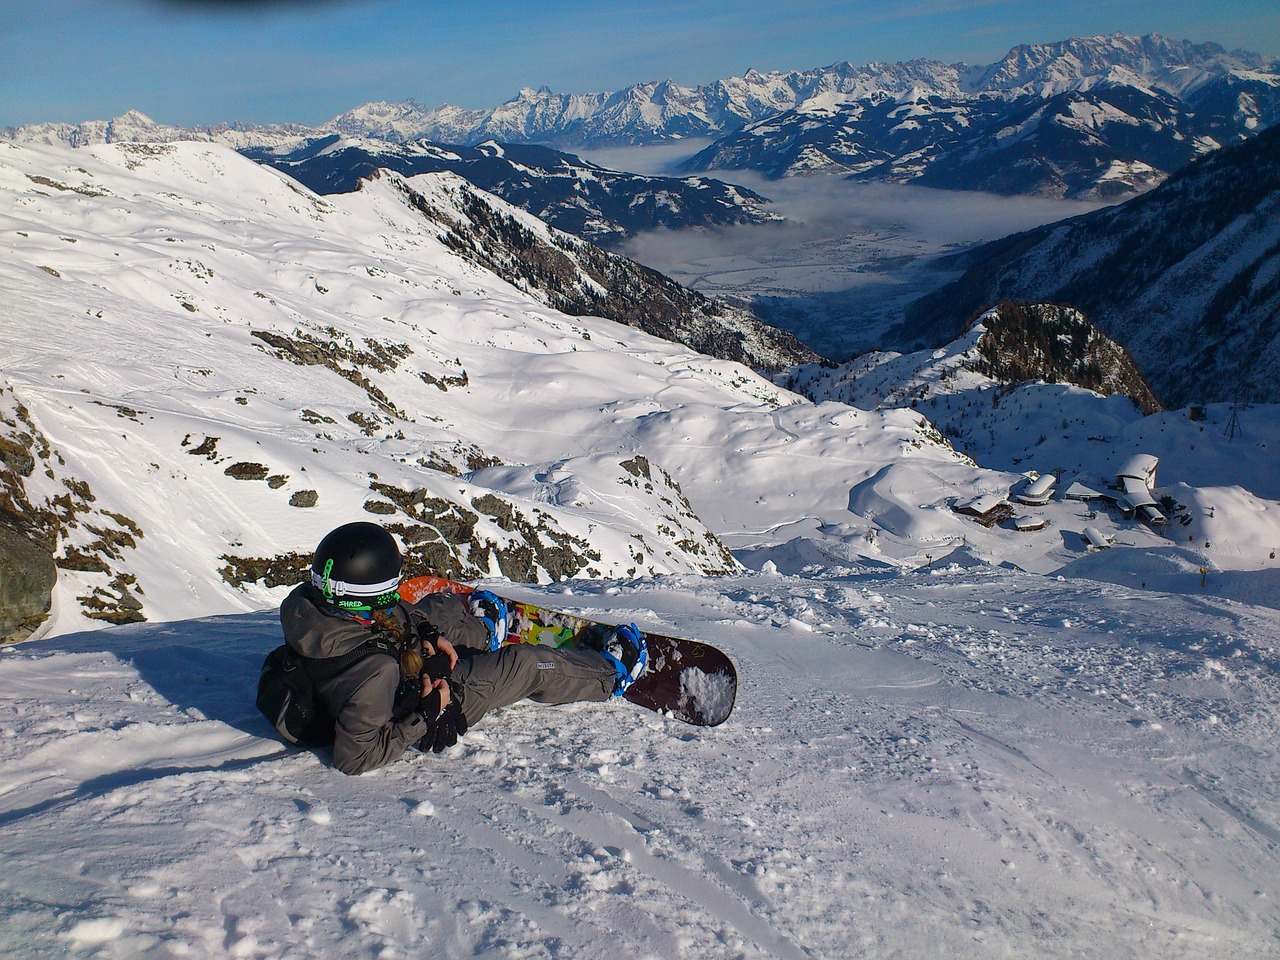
[(320, 669)]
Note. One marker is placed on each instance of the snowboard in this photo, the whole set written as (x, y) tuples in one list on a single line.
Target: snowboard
[(685, 679)]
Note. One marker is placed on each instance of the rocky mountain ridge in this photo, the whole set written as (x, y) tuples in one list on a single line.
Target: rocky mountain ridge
[(580, 279), (1025, 382), (1110, 140), (1089, 118), (583, 198), (1180, 67), (1187, 277)]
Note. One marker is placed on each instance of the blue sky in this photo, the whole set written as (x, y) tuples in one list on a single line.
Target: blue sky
[(211, 61)]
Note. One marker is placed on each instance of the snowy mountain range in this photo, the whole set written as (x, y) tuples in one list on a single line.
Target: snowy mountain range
[(1087, 117), (936, 748), (1186, 277), (1110, 140), (582, 198), (193, 332)]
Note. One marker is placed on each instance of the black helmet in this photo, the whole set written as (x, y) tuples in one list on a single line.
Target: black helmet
[(357, 567)]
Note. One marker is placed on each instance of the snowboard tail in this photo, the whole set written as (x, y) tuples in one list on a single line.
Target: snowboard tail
[(691, 681)]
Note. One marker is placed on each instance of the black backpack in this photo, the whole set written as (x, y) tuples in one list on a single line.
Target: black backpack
[(286, 690)]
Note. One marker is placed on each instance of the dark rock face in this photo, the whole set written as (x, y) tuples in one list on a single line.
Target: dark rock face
[(70, 528), (27, 576), (1044, 341)]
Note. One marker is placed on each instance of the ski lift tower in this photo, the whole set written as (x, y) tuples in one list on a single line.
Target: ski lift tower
[(1239, 402), (1233, 422)]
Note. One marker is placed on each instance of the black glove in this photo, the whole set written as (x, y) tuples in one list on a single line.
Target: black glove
[(444, 727), (429, 705), (426, 633), (448, 727), (408, 698), (436, 665)]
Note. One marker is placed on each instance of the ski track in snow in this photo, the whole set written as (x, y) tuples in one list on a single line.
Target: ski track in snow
[(970, 763)]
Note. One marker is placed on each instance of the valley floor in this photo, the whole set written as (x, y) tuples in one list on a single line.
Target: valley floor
[(948, 762), (849, 257)]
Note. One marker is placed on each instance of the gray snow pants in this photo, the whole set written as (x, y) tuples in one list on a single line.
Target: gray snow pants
[(530, 671)]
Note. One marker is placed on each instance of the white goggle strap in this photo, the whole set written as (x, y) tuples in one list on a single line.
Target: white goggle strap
[(337, 588)]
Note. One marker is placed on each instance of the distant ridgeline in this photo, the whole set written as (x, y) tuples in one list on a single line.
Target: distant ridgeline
[(1103, 116), (1186, 277), (601, 205)]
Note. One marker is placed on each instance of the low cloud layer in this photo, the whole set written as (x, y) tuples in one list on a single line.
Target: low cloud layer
[(831, 210), (848, 256)]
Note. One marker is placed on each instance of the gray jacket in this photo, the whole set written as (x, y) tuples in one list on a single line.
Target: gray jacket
[(362, 698)]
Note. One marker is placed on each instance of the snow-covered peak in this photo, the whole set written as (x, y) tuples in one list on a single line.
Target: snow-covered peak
[(1174, 66), (396, 122)]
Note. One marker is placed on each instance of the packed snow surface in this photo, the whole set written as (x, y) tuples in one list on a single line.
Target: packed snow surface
[(957, 761)]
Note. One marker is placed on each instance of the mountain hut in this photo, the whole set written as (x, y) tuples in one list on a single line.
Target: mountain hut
[(988, 509), (1039, 491)]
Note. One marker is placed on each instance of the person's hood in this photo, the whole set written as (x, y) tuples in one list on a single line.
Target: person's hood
[(314, 633)]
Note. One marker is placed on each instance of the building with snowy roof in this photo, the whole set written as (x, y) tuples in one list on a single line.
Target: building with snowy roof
[(1039, 491), (1095, 539), (1135, 479), (1079, 491), (988, 509), (1141, 466)]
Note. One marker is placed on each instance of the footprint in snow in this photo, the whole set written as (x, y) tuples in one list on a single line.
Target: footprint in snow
[(315, 812)]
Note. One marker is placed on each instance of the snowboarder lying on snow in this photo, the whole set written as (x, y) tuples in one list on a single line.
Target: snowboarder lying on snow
[(422, 674)]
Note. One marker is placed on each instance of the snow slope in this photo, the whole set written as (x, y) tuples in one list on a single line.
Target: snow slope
[(1219, 470), (213, 366), (962, 762), (934, 752), (218, 366)]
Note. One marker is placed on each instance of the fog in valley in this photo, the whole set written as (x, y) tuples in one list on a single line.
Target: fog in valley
[(848, 256)]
